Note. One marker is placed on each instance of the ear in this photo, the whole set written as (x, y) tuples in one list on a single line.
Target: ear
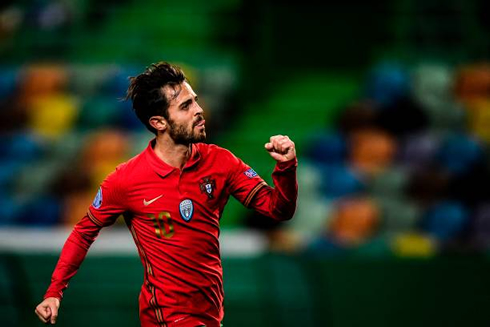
[(159, 123)]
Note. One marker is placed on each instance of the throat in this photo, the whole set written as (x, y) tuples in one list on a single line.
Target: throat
[(174, 155)]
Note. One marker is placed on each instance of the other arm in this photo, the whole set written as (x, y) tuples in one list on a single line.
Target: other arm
[(72, 256), (107, 206)]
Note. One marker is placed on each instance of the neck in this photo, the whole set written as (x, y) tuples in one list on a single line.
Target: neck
[(175, 155)]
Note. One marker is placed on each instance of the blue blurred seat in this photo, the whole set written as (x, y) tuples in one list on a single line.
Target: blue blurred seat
[(10, 209), (22, 146), (446, 220), (327, 148), (459, 153), (8, 81), (127, 118), (117, 81), (40, 211), (8, 172), (388, 82), (339, 181)]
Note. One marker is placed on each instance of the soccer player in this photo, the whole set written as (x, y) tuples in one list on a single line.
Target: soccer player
[(172, 196)]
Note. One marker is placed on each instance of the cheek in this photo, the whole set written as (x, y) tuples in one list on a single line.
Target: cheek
[(181, 119)]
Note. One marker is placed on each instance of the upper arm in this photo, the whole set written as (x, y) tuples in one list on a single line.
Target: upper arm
[(109, 202), (243, 181)]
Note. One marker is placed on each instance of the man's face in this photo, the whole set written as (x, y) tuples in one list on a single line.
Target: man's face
[(186, 120)]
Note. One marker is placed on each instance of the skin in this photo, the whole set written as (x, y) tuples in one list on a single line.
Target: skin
[(185, 125), (47, 311)]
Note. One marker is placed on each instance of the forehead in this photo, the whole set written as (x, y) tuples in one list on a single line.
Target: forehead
[(178, 93)]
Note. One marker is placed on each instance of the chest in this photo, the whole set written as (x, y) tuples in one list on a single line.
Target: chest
[(188, 194)]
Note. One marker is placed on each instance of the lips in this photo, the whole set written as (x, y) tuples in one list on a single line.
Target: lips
[(199, 123)]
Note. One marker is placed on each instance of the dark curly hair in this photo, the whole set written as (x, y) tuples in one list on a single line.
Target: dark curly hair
[(146, 91)]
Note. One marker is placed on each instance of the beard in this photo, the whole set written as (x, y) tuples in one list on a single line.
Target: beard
[(181, 135)]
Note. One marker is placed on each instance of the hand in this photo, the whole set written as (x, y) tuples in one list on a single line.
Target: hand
[(281, 148), (47, 310)]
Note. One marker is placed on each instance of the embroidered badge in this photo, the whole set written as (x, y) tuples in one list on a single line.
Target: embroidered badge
[(207, 185), (250, 173), (186, 209), (98, 199)]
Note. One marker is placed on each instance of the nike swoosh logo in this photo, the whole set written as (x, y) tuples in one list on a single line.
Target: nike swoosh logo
[(147, 203)]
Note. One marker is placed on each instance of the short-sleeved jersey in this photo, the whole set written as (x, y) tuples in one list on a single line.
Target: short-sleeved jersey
[(173, 215), (174, 218)]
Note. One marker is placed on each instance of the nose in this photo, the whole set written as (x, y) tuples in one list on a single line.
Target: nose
[(199, 110)]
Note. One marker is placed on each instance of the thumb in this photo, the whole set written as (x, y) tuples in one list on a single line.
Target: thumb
[(276, 156), (268, 146)]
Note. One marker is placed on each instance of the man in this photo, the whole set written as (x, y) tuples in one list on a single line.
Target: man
[(172, 196)]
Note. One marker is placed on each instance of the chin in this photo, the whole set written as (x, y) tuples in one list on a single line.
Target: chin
[(201, 138)]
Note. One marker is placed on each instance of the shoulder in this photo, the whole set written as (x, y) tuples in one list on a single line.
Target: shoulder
[(123, 172), (130, 165)]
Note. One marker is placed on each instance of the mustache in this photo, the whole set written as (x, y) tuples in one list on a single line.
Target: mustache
[(198, 120)]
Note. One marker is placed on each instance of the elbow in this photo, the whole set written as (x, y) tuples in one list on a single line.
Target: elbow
[(284, 215)]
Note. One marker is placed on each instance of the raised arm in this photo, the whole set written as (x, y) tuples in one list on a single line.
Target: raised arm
[(278, 202)]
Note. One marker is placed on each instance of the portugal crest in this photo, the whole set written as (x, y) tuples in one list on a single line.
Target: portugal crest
[(186, 209), (207, 185)]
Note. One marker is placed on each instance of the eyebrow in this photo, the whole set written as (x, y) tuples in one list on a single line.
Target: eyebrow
[(187, 102)]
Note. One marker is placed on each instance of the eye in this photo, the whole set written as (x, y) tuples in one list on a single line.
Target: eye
[(185, 105)]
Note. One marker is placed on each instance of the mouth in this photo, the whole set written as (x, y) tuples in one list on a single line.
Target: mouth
[(200, 123)]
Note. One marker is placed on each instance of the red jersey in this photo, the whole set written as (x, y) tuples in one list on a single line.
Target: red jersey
[(173, 215)]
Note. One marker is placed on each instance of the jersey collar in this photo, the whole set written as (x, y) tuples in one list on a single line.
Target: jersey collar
[(161, 167)]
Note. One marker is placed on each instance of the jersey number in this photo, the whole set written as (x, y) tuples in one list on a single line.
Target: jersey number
[(163, 224)]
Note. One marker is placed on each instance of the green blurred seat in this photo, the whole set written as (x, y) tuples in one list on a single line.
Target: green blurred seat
[(99, 112), (398, 214), (37, 178), (390, 182), (67, 148)]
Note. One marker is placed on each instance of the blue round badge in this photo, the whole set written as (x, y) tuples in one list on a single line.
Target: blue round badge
[(186, 209)]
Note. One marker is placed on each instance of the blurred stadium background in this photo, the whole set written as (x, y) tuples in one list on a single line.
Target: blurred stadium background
[(387, 101)]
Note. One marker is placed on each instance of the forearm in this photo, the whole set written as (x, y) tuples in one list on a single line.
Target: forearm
[(279, 202), (72, 255)]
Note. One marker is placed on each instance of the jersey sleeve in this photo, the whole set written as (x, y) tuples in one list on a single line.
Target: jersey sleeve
[(109, 202), (253, 192), (105, 209), (244, 182), (72, 255), (279, 202)]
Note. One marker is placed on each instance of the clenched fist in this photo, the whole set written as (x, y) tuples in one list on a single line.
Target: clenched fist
[(47, 310), (281, 148)]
